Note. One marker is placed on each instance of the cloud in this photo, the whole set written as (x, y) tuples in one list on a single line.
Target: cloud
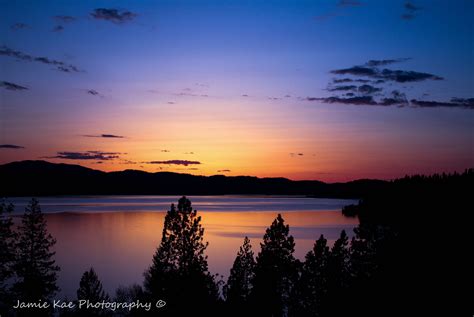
[(356, 71), (454, 103), (11, 86), (296, 154), (92, 92), (175, 162), (11, 146), (368, 89), (88, 155), (370, 70), (384, 62), (245, 95), (64, 18), (61, 66), (190, 153), (165, 151), (58, 28), (171, 102), (411, 7), (343, 88), (358, 100), (19, 26), (113, 15), (223, 171), (410, 10), (107, 136), (349, 3), (396, 98)]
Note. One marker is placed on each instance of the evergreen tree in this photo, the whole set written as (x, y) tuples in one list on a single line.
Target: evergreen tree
[(90, 288), (239, 285), (312, 286), (128, 294), (180, 268), (35, 266), (7, 255), (276, 271)]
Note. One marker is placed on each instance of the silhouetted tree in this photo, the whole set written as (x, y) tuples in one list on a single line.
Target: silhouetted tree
[(90, 288), (35, 266), (276, 271), (179, 270), (239, 284), (312, 286), (128, 294), (7, 255)]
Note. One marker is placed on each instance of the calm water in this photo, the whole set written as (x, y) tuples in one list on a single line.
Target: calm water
[(118, 235)]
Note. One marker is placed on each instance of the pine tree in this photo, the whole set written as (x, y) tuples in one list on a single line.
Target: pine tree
[(239, 285), (7, 255), (180, 268), (90, 288), (276, 271), (312, 285), (35, 266)]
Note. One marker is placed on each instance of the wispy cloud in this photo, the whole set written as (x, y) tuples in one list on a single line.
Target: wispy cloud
[(113, 15), (88, 155), (410, 10), (107, 136), (61, 66), (64, 18), (11, 146), (12, 86), (175, 162), (19, 26), (223, 171), (58, 28), (454, 103)]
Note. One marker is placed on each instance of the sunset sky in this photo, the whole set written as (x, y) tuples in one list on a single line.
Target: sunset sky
[(328, 90)]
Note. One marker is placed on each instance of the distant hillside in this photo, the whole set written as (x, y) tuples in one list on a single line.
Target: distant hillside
[(41, 178)]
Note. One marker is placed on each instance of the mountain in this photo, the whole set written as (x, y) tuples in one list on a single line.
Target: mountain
[(41, 178)]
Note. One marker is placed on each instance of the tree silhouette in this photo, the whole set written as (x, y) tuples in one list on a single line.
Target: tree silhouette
[(239, 284), (7, 255), (276, 271), (179, 270), (128, 294), (90, 288), (35, 266), (312, 286)]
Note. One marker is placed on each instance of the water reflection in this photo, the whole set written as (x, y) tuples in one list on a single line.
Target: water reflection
[(120, 245)]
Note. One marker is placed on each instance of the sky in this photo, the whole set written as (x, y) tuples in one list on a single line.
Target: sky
[(333, 90)]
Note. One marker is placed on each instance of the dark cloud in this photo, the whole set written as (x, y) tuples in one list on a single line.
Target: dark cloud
[(58, 28), (245, 95), (397, 98), (287, 96), (19, 26), (368, 89), (356, 71), (11, 146), (403, 76), (343, 88), (358, 100), (113, 15), (407, 16), (410, 10), (62, 66), (175, 162), (400, 76), (165, 151), (171, 102), (88, 155), (411, 7), (349, 3), (92, 92), (110, 136), (64, 18), (223, 171), (296, 154), (384, 62), (454, 103), (342, 80), (11, 86)]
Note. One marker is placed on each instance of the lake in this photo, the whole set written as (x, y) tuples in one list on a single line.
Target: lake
[(118, 235)]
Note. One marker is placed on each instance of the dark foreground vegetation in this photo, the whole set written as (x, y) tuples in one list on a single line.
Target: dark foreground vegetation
[(407, 258)]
